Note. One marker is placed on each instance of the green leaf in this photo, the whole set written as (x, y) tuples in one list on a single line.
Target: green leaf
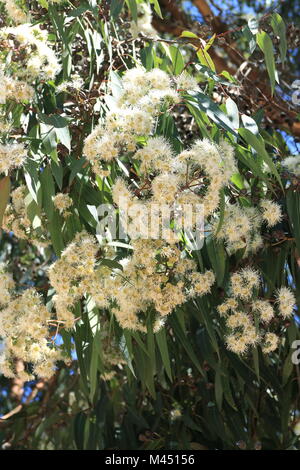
[(217, 256), (48, 191), (177, 60), (238, 180), (181, 335), (93, 372), (144, 370), (218, 389), (206, 351), (157, 8), (227, 390), (116, 7), (126, 349), (151, 370), (279, 29), (256, 363), (205, 59), (147, 57), (133, 9), (293, 207), (76, 167), (233, 113), (231, 80), (54, 120), (113, 264), (247, 159), (57, 171), (161, 340), (33, 182), (202, 102), (188, 34), (43, 3), (257, 143), (60, 125), (222, 211), (249, 36), (210, 42), (49, 143), (79, 424), (250, 124), (55, 229), (265, 43), (209, 74), (64, 136), (79, 11), (205, 309), (287, 368)]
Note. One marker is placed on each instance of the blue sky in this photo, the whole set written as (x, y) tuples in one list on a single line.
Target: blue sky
[(235, 6)]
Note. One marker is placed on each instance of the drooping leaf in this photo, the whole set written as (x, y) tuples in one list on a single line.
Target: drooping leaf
[(279, 29), (265, 43)]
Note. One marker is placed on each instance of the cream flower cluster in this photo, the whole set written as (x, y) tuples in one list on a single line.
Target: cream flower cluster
[(139, 103), (292, 164), (16, 11), (248, 317), (75, 274), (17, 221), (155, 278), (141, 98), (24, 329), (26, 53), (16, 90), (63, 202), (144, 22), (271, 212), (6, 286), (193, 177), (15, 217), (241, 226), (5, 125), (286, 301), (76, 83), (12, 155), (185, 81)]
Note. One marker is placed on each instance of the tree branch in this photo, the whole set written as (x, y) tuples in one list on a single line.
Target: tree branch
[(209, 17)]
